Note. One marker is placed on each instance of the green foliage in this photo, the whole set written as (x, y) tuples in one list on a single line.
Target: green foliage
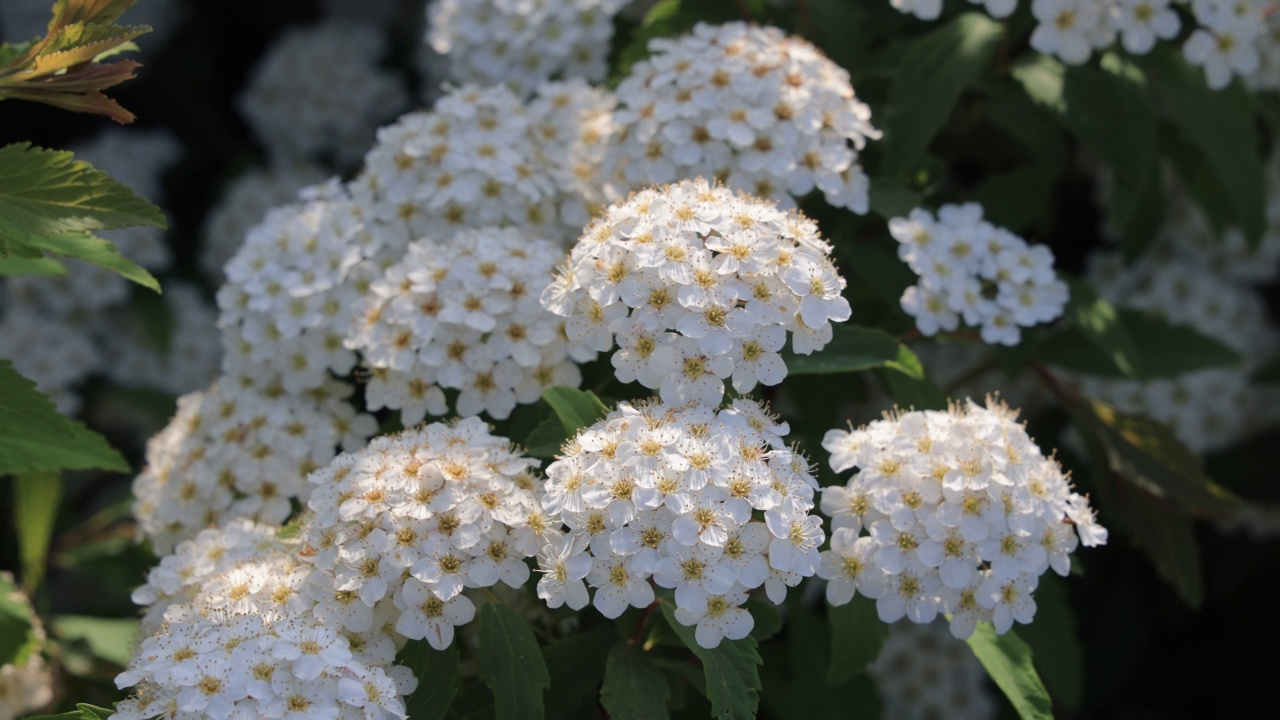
[(634, 687), (857, 634), (17, 632), (437, 673), (511, 664), (110, 639), (854, 348), (575, 408), (1055, 642), (35, 509), (1098, 322), (83, 711), (577, 667), (1008, 661), (1160, 349), (35, 438), (50, 203), (731, 670)]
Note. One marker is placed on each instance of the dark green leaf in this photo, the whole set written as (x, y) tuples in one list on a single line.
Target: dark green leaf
[(857, 634), (546, 439), (909, 392), (437, 673), (890, 199), (97, 251), (575, 408), (1167, 350), (156, 318), (577, 666), (35, 509), (511, 663), (732, 671), (1017, 198), (1099, 322), (83, 711), (35, 438), (1030, 126), (110, 639), (854, 348), (768, 620), (1268, 374), (1008, 662), (1054, 641), (936, 69), (17, 634), (634, 687), (880, 269)]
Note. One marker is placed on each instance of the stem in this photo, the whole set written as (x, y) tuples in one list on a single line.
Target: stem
[(745, 12), (972, 374), (644, 619), (806, 18)]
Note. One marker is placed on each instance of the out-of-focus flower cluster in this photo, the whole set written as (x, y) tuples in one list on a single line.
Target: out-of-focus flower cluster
[(26, 683), (963, 515), (923, 673), (664, 492), (972, 270), (695, 283), (754, 108)]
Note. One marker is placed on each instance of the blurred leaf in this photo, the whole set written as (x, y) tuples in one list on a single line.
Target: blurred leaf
[(634, 687), (83, 711), (437, 673), (1017, 198), (546, 439), (12, 266), (857, 634), (909, 392), (511, 663), (1008, 661), (890, 199), (837, 27), (1268, 374), (1221, 125), (1167, 350), (577, 666), (880, 269), (35, 438), (768, 620), (1055, 642), (854, 348), (17, 633), (575, 408), (110, 639), (156, 318), (35, 510), (732, 671), (1099, 322), (1030, 126), (936, 69)]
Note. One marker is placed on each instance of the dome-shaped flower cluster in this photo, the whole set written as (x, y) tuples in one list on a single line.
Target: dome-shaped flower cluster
[(320, 93), (245, 201), (400, 528), (695, 283), (240, 450), (667, 492), (463, 314), (972, 270), (247, 642), (923, 673), (756, 109), (964, 515), (520, 44)]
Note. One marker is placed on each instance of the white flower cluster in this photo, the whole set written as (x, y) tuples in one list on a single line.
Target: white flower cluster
[(756, 109), (245, 201), (240, 450), (246, 641), (963, 515), (1229, 37), (668, 492), (463, 314), (923, 674), (319, 92), (400, 528), (696, 283), (522, 43), (188, 358), (26, 683), (972, 270)]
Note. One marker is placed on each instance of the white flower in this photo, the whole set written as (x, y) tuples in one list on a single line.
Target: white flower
[(923, 672)]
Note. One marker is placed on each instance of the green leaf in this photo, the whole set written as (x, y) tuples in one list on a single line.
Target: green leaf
[(1099, 322), (12, 266), (854, 348), (546, 438), (857, 634), (1268, 374), (1036, 130), (890, 199), (1167, 350), (83, 711), (35, 509), (511, 663), (917, 393), (1017, 198), (17, 632), (1008, 661), (97, 251), (577, 667), (437, 673), (1054, 642), (768, 620), (732, 671), (935, 70), (1221, 125), (634, 687), (110, 639), (575, 408), (879, 268), (35, 438), (155, 317)]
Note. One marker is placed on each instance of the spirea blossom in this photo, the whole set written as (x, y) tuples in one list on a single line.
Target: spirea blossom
[(756, 109), (696, 284), (399, 529), (961, 514), (463, 314), (240, 450), (244, 203), (666, 493), (923, 673), (519, 43), (973, 271)]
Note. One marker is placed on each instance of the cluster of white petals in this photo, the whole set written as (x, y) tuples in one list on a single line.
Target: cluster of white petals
[(665, 492), (463, 314), (244, 203), (399, 529), (320, 93), (188, 358), (522, 43), (750, 106), (240, 450), (923, 673), (973, 271), (243, 639), (963, 514), (695, 284)]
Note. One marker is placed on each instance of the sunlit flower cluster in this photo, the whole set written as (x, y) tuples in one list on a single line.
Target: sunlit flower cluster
[(399, 529), (963, 515), (463, 314), (663, 492), (519, 43), (923, 673), (245, 202), (756, 109), (695, 284), (973, 271)]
